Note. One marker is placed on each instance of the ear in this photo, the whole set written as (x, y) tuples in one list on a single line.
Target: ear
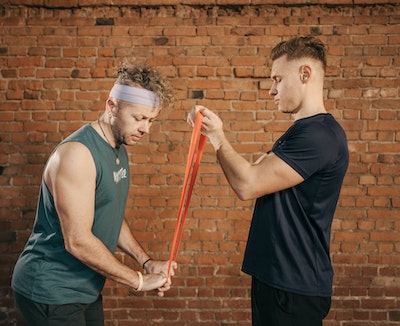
[(111, 106), (305, 73)]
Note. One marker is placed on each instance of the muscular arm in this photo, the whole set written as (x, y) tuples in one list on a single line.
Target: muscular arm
[(249, 181), (128, 244), (71, 177)]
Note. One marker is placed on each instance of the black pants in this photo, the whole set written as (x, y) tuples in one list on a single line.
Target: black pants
[(77, 314), (273, 307)]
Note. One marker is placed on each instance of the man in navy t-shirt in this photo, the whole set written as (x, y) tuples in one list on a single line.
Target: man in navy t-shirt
[(297, 185)]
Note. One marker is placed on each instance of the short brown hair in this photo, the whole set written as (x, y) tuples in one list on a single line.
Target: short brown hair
[(300, 47)]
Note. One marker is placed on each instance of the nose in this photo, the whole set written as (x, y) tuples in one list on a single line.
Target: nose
[(273, 90), (145, 127)]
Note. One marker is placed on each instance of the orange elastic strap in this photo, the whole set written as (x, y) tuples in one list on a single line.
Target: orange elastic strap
[(192, 165)]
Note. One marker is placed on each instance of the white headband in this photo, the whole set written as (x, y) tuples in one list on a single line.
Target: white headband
[(134, 95)]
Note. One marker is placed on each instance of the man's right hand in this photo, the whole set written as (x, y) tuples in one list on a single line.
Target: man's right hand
[(211, 126)]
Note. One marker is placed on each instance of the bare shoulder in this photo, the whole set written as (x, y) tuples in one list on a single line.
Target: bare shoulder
[(71, 160)]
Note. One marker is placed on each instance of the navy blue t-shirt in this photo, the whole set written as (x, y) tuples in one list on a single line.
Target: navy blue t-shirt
[(289, 238)]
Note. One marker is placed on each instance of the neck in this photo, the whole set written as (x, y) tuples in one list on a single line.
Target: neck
[(312, 103), (305, 113), (106, 132)]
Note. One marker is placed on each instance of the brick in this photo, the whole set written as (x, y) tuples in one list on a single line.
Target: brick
[(57, 64)]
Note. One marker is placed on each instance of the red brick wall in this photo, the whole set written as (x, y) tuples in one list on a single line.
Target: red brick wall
[(57, 60)]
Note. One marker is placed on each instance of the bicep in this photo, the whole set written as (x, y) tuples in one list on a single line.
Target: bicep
[(271, 174), (71, 177)]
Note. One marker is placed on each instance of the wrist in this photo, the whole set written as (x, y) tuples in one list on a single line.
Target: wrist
[(217, 141), (145, 262), (140, 281)]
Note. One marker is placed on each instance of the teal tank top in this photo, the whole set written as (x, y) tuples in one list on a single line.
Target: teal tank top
[(45, 272)]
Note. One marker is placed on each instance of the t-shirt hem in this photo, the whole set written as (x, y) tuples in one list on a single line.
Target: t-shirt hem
[(288, 289), (34, 298)]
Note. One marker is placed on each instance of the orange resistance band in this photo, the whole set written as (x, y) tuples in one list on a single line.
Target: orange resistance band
[(192, 165)]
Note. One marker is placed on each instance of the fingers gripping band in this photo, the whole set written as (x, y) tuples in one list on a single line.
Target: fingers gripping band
[(134, 95)]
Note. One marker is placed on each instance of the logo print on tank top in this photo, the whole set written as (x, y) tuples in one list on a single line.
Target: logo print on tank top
[(119, 175)]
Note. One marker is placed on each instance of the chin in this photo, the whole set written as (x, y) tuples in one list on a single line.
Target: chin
[(284, 110), (130, 143), (287, 110)]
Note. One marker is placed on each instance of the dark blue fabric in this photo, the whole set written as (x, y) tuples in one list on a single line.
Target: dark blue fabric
[(274, 307), (289, 239)]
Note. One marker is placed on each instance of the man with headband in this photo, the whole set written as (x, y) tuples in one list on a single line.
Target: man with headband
[(80, 221)]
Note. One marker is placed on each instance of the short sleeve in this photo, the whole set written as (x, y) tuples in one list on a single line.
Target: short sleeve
[(307, 148)]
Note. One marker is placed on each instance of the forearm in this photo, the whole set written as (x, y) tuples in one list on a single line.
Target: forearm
[(267, 175), (94, 254), (235, 167), (129, 245)]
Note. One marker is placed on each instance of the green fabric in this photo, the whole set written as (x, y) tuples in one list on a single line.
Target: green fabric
[(45, 272)]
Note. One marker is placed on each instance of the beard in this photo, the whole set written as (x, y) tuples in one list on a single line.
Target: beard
[(117, 134)]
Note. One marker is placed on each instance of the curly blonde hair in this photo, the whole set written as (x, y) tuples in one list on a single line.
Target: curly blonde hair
[(140, 74)]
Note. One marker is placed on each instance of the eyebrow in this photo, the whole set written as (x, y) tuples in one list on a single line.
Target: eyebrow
[(145, 117)]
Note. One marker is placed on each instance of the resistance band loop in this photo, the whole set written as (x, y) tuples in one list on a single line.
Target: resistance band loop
[(192, 165)]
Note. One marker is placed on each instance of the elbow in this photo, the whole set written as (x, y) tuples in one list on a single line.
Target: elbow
[(73, 247), (70, 247), (247, 191), (243, 193), (243, 196)]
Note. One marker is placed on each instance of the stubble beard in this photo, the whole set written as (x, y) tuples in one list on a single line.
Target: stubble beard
[(116, 132)]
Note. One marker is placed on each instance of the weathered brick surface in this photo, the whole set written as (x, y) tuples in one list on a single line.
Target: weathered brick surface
[(57, 62)]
